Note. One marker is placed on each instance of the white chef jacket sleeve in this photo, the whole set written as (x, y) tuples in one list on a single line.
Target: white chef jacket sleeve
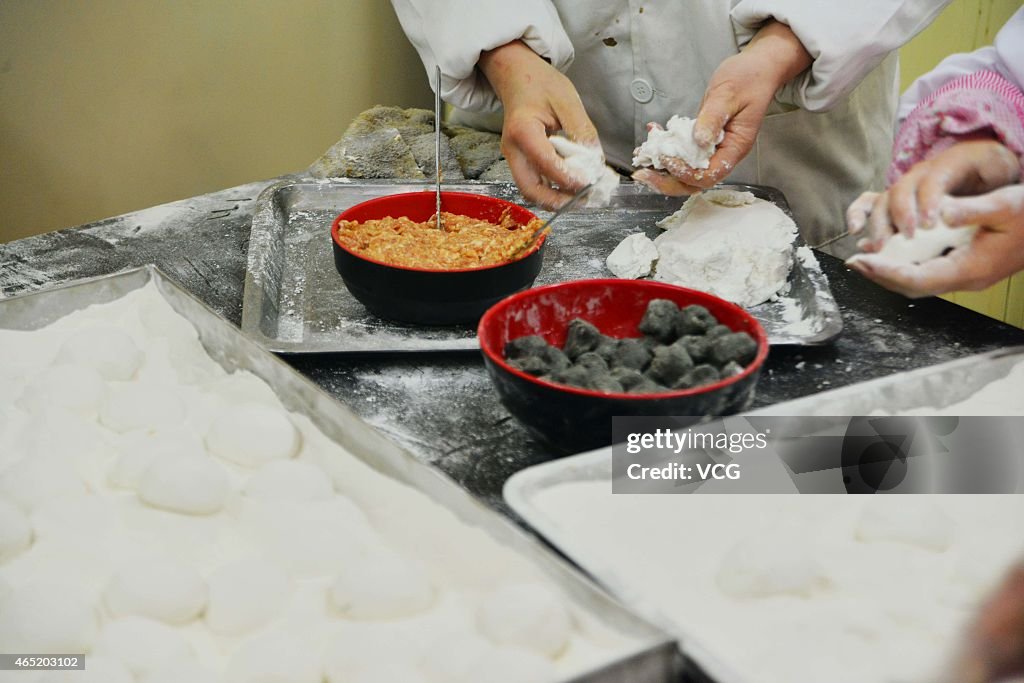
[(453, 33), (846, 39)]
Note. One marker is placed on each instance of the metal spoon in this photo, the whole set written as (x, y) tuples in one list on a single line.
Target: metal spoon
[(546, 228), (437, 145)]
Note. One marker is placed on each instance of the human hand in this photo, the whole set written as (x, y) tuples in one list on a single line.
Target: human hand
[(538, 100), (994, 650), (915, 199), (995, 252), (733, 108)]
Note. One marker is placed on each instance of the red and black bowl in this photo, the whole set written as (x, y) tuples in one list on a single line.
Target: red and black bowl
[(573, 419), (433, 297)]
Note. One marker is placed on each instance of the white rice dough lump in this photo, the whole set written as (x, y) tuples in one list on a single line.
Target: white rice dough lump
[(139, 450), (252, 435), (190, 484), (274, 658), (159, 588), (588, 165), (181, 672), (382, 585), (143, 645), (78, 388), (133, 406), (108, 350), (384, 672), (633, 258), (15, 530), (452, 658), (767, 565), (103, 670), (289, 480), (47, 618), (675, 140), (33, 480), (512, 665), (526, 615), (905, 520), (245, 595)]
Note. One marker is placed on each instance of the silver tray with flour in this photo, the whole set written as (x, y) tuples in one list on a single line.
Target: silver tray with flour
[(651, 656), (295, 301)]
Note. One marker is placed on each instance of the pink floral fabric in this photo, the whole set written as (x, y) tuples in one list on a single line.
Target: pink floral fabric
[(981, 104)]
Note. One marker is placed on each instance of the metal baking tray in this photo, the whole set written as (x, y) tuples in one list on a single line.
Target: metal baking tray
[(655, 657), (295, 302)]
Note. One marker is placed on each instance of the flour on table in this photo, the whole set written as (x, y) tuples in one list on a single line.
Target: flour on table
[(674, 140), (587, 163), (1000, 397), (633, 258), (174, 522), (728, 243)]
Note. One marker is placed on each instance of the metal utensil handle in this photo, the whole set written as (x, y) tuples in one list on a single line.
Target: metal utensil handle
[(546, 228), (437, 145)]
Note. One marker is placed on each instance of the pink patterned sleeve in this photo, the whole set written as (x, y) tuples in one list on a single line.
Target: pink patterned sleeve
[(981, 104)]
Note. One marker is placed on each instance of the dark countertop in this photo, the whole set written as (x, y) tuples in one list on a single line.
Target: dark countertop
[(441, 406)]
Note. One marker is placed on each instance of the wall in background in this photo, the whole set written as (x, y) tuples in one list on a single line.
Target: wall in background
[(109, 106), (965, 26)]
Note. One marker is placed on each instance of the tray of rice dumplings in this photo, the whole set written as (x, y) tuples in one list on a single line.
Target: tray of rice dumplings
[(737, 241), (177, 504)]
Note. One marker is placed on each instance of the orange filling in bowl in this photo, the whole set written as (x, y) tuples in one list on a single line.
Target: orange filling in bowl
[(464, 242)]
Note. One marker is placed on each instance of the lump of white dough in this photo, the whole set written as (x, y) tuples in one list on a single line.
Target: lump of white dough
[(313, 539), (143, 645), (742, 252), (32, 481), (158, 588), (526, 615), (587, 163), (289, 480), (385, 672), (108, 350), (77, 388), (15, 530), (105, 670), (926, 244), (767, 565), (245, 595), (182, 672), (512, 665), (452, 658), (674, 140), (47, 618), (382, 585), (190, 484), (140, 449), (274, 658), (253, 434), (903, 519), (633, 258), (131, 406)]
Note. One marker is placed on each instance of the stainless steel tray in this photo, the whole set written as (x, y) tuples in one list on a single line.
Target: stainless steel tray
[(295, 302), (655, 658)]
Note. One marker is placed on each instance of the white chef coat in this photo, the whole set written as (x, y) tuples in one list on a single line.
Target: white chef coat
[(828, 135)]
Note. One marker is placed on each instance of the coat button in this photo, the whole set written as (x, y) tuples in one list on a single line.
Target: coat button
[(641, 90)]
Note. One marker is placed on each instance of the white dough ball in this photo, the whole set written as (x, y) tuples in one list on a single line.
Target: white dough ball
[(452, 658), (252, 434), (526, 615), (512, 665), (193, 485), (108, 350), (182, 672), (132, 406), (139, 450), (386, 672), (101, 670), (77, 388), (15, 530), (765, 565), (274, 658), (383, 585), (33, 480), (289, 480), (158, 588), (245, 595), (903, 519), (143, 645), (47, 618)]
